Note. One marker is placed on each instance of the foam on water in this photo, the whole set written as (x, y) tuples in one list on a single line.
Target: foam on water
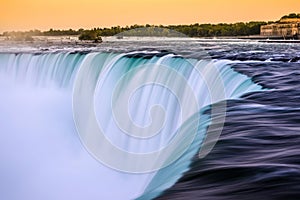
[(42, 154)]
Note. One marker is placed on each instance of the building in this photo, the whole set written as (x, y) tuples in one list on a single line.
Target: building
[(285, 28)]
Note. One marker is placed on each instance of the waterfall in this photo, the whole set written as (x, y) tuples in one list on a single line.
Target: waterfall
[(105, 125)]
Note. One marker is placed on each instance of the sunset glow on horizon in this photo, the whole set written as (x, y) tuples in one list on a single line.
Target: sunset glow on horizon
[(65, 14)]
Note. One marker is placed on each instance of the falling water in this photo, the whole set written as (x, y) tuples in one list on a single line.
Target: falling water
[(49, 101)]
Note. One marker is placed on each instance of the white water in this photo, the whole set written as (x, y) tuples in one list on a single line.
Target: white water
[(41, 154)]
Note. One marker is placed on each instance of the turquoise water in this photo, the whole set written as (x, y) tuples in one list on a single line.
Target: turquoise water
[(149, 109)]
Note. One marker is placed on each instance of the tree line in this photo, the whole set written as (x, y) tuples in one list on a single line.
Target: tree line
[(193, 30), (291, 16)]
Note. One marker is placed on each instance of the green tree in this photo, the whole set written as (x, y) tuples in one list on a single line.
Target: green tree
[(90, 35)]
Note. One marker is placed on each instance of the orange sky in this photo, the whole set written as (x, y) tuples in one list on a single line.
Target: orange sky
[(64, 14)]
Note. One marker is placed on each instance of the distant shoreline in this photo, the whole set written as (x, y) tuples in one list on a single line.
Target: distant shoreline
[(286, 28), (191, 30)]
